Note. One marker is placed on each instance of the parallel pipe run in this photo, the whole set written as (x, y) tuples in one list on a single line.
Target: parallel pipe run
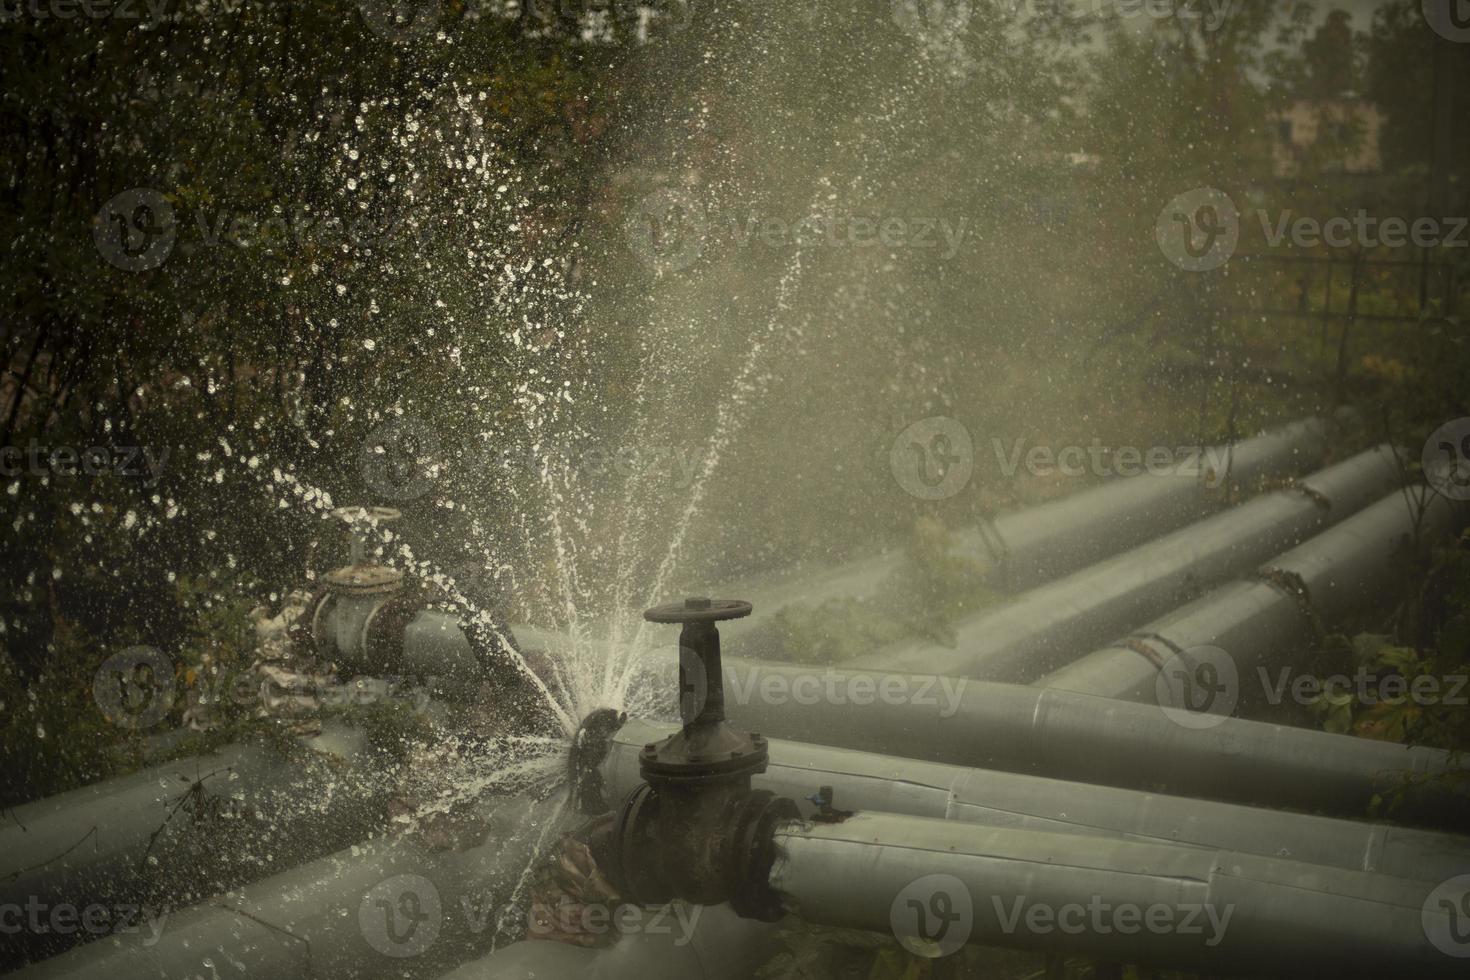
[(171, 834), (864, 781), (1097, 740), (1049, 626), (1021, 549), (938, 884), (1029, 547), (694, 828), (385, 907), (1266, 623)]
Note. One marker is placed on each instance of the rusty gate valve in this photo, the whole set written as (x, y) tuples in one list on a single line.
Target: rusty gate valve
[(694, 829)]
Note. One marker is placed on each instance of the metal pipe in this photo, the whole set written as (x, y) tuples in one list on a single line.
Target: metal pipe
[(937, 884), (1091, 739), (864, 781), (1049, 626), (720, 946), (1272, 619), (372, 910), (176, 832), (1036, 545), (1020, 549)]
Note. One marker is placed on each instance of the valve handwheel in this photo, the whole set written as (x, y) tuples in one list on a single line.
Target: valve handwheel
[(698, 610)]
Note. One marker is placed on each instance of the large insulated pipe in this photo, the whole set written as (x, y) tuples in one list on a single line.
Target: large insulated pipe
[(1095, 740), (174, 833), (1036, 545), (863, 781), (717, 945), (1049, 626), (1271, 620), (1020, 549), (938, 883), (381, 908)]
